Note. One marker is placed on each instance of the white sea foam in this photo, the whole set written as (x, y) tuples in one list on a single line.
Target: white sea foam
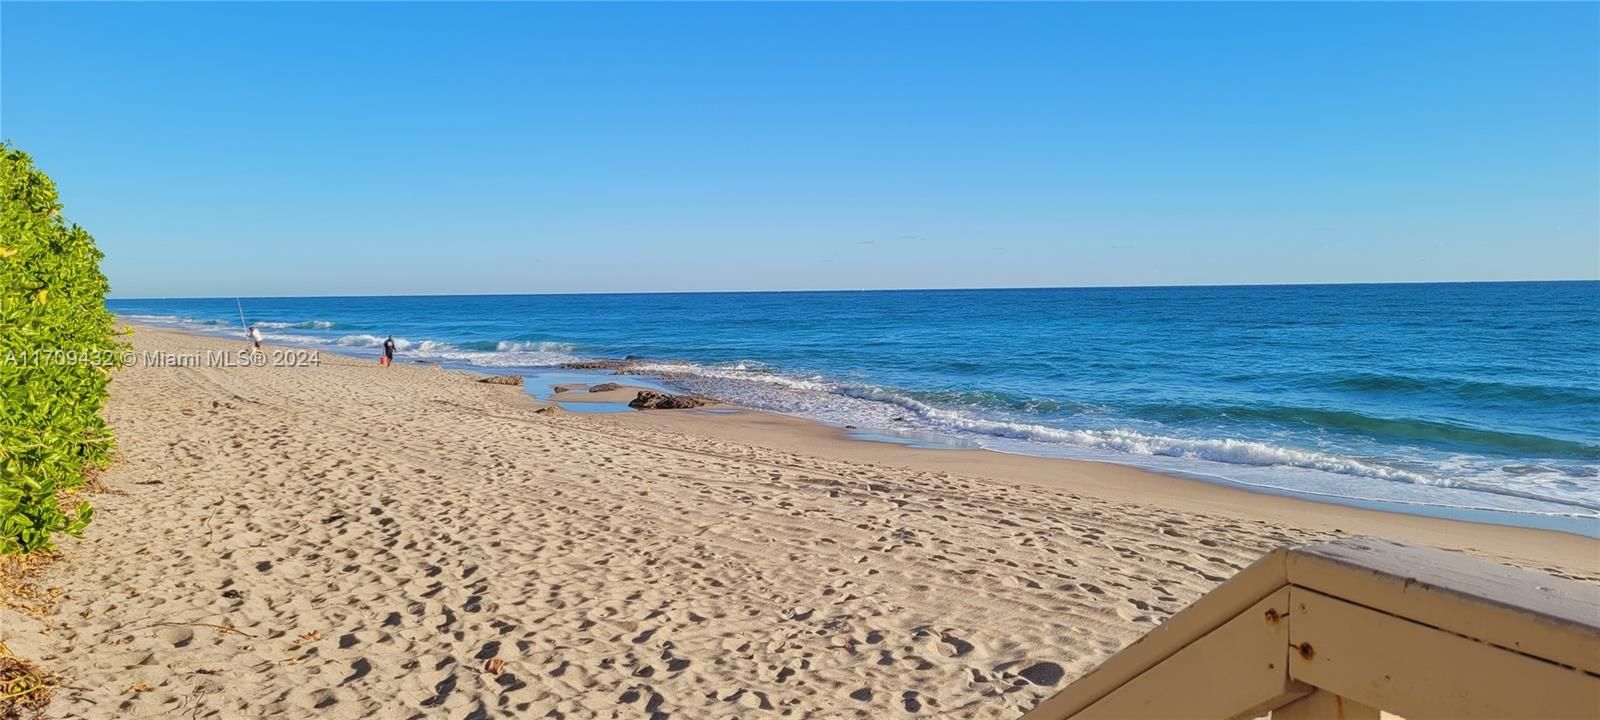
[(531, 346), (509, 359), (368, 341), (291, 339), (307, 324), (400, 344), (876, 407), (176, 321), (506, 354), (509, 353)]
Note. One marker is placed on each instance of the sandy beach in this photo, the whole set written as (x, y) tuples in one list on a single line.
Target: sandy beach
[(352, 541)]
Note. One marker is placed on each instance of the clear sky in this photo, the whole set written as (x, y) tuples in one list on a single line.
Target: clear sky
[(266, 149)]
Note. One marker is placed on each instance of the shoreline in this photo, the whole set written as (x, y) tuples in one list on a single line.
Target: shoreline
[(1122, 483), (1039, 466), (350, 540), (782, 430), (602, 370), (799, 433), (1584, 527)]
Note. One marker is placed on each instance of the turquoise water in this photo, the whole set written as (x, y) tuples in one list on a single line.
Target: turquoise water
[(1480, 400)]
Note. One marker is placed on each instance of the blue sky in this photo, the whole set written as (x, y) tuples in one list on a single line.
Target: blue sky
[(267, 149)]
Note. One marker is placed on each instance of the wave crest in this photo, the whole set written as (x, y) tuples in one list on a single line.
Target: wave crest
[(302, 325), (870, 405), (531, 346)]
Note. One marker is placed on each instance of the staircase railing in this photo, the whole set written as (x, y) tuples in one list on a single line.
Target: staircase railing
[(1355, 629)]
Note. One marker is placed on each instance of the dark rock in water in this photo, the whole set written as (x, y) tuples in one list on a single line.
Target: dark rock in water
[(898, 418), (850, 427), (502, 380), (652, 400), (557, 390), (604, 387)]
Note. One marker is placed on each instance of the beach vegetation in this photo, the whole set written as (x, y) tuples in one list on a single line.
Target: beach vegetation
[(52, 305)]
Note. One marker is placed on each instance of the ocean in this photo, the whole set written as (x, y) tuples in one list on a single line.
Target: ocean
[(1475, 400)]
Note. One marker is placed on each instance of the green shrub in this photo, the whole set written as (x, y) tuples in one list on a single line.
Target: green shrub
[(57, 350)]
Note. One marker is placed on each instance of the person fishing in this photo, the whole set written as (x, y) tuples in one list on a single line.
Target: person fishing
[(388, 351), (251, 332)]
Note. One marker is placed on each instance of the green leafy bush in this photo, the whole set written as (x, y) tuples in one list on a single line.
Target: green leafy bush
[(57, 350)]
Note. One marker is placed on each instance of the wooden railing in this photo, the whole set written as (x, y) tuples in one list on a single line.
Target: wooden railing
[(1353, 629)]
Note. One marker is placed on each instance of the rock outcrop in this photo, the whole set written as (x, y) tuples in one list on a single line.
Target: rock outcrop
[(604, 387), (502, 380), (652, 400)]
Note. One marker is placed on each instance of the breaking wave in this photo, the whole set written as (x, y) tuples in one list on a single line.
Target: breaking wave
[(304, 325), (500, 353), (871, 406), (504, 354)]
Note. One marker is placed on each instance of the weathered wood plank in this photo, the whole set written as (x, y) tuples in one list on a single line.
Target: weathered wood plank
[(1237, 670), (1534, 613), (1421, 672), (1203, 616), (1324, 705)]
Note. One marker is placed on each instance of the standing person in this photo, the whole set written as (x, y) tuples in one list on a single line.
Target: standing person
[(388, 351), (254, 333)]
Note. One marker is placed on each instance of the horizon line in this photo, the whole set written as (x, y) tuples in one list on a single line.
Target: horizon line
[(869, 290)]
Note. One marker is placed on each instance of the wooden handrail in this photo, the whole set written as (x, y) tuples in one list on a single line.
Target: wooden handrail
[(1350, 627)]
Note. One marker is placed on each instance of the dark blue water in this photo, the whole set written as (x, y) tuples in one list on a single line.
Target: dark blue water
[(1467, 396)]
